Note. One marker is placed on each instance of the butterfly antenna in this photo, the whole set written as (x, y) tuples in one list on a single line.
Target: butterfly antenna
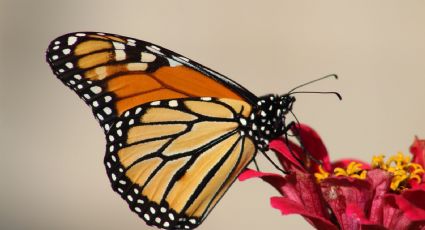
[(318, 79), (319, 92)]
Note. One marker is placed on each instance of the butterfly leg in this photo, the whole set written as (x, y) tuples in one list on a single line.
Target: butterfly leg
[(296, 134)]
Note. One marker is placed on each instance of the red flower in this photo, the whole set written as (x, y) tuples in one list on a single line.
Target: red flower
[(383, 195)]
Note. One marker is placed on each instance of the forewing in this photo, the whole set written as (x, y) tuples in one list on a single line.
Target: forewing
[(113, 73)]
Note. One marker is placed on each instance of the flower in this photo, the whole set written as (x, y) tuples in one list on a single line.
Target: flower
[(347, 194)]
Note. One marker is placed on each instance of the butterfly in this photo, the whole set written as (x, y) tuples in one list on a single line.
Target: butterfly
[(178, 133)]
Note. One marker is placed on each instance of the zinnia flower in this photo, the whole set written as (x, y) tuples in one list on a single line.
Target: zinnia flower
[(347, 194)]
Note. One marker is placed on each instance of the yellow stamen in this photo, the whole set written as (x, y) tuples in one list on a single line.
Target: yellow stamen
[(354, 169), (402, 168), (378, 162), (321, 175)]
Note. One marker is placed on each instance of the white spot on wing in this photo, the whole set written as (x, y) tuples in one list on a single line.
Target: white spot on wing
[(173, 63), (69, 65), (119, 132), (173, 103), (138, 110), (120, 55), (107, 110), (96, 89), (154, 49), (137, 66), (72, 40), (152, 210), (243, 121), (147, 57), (155, 103), (181, 59), (118, 45), (147, 217), (66, 51)]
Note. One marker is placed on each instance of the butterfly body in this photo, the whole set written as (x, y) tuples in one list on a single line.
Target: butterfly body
[(178, 134)]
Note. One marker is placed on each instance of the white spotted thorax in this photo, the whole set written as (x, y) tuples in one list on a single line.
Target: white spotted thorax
[(267, 120)]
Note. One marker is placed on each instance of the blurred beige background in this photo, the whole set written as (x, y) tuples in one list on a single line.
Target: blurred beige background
[(51, 161)]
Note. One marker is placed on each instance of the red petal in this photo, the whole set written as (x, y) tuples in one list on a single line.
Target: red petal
[(342, 192), (355, 213), (412, 202), (297, 187), (418, 151), (276, 180), (314, 145), (394, 218), (288, 206), (381, 182), (302, 189)]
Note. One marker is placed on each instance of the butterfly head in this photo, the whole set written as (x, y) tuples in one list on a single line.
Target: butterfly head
[(268, 118)]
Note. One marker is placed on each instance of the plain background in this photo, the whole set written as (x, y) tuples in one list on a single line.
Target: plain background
[(51, 164)]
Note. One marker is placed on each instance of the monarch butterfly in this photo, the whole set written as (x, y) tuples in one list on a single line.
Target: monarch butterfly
[(178, 134)]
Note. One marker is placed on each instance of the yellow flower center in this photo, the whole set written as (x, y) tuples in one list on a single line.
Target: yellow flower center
[(402, 168), (354, 169)]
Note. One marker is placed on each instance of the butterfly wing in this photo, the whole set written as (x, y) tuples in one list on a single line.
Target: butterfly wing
[(113, 73), (172, 160), (174, 139)]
